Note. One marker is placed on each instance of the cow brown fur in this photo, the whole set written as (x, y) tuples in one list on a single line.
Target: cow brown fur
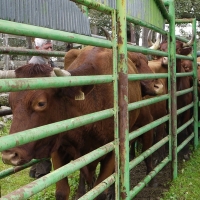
[(181, 84), (35, 108)]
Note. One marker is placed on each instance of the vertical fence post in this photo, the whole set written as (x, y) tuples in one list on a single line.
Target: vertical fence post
[(123, 99), (116, 107), (195, 93), (173, 99)]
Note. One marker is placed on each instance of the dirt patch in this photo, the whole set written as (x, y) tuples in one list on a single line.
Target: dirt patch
[(163, 179), (150, 193)]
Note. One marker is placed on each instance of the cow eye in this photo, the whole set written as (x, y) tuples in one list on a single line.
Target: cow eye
[(41, 104)]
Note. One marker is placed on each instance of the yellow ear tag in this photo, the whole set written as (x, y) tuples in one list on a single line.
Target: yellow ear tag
[(80, 96)]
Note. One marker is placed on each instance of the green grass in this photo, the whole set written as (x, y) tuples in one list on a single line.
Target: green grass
[(187, 185), (15, 181)]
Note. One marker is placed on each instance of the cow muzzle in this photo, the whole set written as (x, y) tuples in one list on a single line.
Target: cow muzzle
[(158, 87), (165, 60), (10, 157)]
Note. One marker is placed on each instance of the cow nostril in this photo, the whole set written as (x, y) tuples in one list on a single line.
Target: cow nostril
[(156, 86), (15, 155)]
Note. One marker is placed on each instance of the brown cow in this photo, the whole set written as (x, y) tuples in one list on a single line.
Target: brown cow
[(39, 107), (141, 63), (181, 84)]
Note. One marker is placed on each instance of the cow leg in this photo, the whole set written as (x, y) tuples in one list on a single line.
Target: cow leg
[(160, 134), (132, 150), (81, 187), (87, 176), (106, 169), (147, 142), (184, 134), (62, 186), (133, 145)]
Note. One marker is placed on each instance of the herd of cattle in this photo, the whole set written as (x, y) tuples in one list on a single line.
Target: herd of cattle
[(35, 108)]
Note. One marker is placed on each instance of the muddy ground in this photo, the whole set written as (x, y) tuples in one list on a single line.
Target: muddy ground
[(163, 179), (150, 193)]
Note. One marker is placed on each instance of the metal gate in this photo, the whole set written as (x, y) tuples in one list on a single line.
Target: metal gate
[(120, 145)]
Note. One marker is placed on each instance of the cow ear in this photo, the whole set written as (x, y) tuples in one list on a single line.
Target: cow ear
[(78, 93)]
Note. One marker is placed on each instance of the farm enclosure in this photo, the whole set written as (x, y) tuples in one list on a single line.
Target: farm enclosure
[(121, 108)]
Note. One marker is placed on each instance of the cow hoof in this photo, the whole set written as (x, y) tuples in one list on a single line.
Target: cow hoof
[(186, 156), (60, 196), (153, 183)]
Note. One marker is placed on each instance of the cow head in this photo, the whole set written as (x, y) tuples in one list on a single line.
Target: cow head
[(33, 108), (149, 87), (187, 65), (181, 47)]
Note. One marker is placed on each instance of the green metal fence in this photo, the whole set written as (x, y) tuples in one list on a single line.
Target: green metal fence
[(122, 136)]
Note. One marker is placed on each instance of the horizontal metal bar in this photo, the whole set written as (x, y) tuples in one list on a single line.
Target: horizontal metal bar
[(20, 51), (16, 169), (4, 112), (181, 92), (94, 192), (133, 77), (143, 129), (17, 84), (163, 10), (146, 102), (97, 6), (184, 20), (183, 109), (185, 142), (46, 33), (53, 177), (184, 57), (185, 125), (140, 22), (23, 137), (184, 74), (144, 50), (145, 181), (148, 152)]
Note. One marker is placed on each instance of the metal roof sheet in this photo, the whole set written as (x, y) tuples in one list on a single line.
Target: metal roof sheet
[(56, 14), (146, 10)]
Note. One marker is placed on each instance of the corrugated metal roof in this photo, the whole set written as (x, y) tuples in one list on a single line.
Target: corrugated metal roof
[(56, 14), (146, 10)]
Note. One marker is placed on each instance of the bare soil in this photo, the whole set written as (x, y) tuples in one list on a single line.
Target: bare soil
[(150, 192), (163, 179)]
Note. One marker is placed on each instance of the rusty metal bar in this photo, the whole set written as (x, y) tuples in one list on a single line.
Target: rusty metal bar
[(186, 141), (145, 24), (46, 33), (123, 100), (116, 107), (16, 169), (38, 185), (145, 181), (4, 112), (184, 126), (95, 5), (99, 188), (172, 86), (148, 152), (8, 85), (23, 137), (195, 86), (20, 51), (147, 127), (163, 9)]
